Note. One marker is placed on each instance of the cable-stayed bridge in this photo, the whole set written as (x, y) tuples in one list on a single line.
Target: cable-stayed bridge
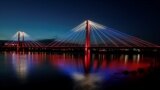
[(87, 35)]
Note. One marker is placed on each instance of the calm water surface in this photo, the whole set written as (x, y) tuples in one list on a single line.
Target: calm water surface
[(69, 71)]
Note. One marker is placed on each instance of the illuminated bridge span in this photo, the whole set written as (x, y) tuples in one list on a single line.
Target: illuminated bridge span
[(93, 35), (88, 35), (18, 42)]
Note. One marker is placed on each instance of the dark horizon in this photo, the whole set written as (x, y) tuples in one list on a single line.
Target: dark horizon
[(45, 19)]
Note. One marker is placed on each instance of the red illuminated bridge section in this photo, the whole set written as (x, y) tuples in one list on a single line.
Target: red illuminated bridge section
[(88, 36)]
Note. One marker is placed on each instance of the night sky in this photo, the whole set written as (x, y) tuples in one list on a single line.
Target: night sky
[(44, 19)]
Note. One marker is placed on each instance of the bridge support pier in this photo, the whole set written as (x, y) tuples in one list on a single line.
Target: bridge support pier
[(87, 47), (18, 45)]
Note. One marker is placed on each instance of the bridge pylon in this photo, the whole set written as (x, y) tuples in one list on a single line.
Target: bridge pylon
[(87, 46)]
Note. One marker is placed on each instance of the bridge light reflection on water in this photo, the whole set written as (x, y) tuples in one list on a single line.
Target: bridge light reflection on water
[(108, 68), (20, 64)]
